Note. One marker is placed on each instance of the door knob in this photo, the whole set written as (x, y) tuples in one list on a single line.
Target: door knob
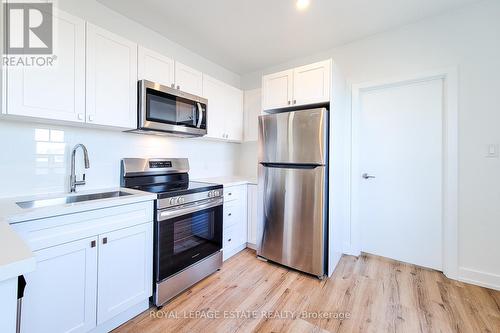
[(367, 176)]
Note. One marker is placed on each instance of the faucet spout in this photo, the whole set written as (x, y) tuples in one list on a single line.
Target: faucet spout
[(72, 178)]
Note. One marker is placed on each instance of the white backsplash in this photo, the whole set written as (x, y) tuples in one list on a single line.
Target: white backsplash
[(35, 158)]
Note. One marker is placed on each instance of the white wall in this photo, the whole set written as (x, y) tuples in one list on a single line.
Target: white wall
[(28, 166), (468, 38)]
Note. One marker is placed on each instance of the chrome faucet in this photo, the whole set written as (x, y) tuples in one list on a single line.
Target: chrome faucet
[(72, 178)]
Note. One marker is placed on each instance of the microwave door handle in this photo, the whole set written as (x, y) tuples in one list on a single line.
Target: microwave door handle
[(200, 115)]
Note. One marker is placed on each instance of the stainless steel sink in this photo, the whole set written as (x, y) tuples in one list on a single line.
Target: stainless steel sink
[(71, 199)]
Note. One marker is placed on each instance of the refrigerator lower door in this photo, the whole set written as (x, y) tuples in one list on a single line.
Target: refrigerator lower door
[(298, 137), (294, 221)]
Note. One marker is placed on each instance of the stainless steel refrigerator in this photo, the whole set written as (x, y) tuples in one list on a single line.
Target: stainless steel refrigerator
[(293, 175)]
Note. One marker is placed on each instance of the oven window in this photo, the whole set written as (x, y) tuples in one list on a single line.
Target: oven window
[(184, 240), (170, 109)]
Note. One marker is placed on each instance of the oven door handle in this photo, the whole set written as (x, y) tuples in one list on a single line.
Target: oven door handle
[(183, 210)]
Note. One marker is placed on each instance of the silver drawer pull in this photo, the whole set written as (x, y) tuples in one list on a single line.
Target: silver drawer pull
[(229, 214)]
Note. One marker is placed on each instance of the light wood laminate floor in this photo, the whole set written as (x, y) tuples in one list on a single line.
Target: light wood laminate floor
[(374, 293)]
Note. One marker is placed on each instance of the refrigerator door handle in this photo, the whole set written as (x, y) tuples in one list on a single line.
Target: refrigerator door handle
[(290, 165)]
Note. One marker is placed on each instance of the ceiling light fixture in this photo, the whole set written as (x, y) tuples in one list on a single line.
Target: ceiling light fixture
[(302, 4)]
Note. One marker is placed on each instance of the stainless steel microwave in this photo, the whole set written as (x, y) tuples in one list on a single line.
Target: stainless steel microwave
[(169, 111)]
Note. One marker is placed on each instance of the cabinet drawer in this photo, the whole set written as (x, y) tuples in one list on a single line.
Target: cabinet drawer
[(234, 192), (232, 238), (232, 213)]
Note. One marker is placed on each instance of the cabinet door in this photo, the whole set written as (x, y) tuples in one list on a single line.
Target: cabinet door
[(125, 270), (234, 114), (155, 67), (60, 295), (277, 90), (213, 91), (311, 83), (58, 91), (111, 79), (188, 79), (252, 109)]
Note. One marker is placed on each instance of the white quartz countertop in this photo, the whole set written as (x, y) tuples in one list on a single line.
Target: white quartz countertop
[(229, 180), (15, 256)]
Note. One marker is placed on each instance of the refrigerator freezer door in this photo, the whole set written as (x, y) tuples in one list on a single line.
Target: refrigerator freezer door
[(293, 217), (298, 137)]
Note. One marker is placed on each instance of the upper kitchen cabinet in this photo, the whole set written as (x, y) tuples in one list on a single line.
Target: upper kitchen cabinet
[(304, 85), (225, 110), (311, 83), (111, 79), (53, 92), (252, 107), (155, 67), (277, 90), (188, 79), (234, 114)]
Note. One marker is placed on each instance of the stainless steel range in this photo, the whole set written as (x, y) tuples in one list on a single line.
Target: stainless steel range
[(188, 223)]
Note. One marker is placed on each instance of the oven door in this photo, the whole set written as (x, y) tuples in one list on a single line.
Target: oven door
[(185, 235), (166, 109)]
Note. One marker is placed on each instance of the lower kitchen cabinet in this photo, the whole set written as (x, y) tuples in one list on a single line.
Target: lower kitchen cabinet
[(125, 270), (60, 295), (93, 269), (235, 220)]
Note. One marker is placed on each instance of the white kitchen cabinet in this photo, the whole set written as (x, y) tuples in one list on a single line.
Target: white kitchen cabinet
[(111, 98), (60, 293), (252, 216), (155, 67), (300, 86), (213, 91), (252, 109), (53, 92), (94, 268), (188, 79), (311, 83), (235, 220), (125, 270), (234, 114), (225, 110), (277, 90)]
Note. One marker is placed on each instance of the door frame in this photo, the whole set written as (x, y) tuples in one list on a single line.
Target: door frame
[(449, 76)]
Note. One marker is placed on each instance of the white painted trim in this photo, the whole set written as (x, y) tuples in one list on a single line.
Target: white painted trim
[(450, 162), (479, 278)]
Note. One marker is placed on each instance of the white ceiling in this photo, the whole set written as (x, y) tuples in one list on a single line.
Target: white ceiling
[(248, 35)]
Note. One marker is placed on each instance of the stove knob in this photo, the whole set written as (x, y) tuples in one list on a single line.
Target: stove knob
[(216, 193), (180, 200), (210, 194), (173, 201)]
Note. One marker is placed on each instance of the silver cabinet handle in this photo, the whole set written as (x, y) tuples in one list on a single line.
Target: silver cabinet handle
[(172, 85), (178, 87), (105, 240), (367, 176), (92, 244), (91, 118), (294, 101), (80, 116), (289, 102)]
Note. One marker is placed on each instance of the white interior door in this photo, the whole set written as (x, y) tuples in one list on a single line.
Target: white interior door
[(401, 146)]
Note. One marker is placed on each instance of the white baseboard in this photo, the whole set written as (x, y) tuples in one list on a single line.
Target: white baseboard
[(252, 246), (479, 278)]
